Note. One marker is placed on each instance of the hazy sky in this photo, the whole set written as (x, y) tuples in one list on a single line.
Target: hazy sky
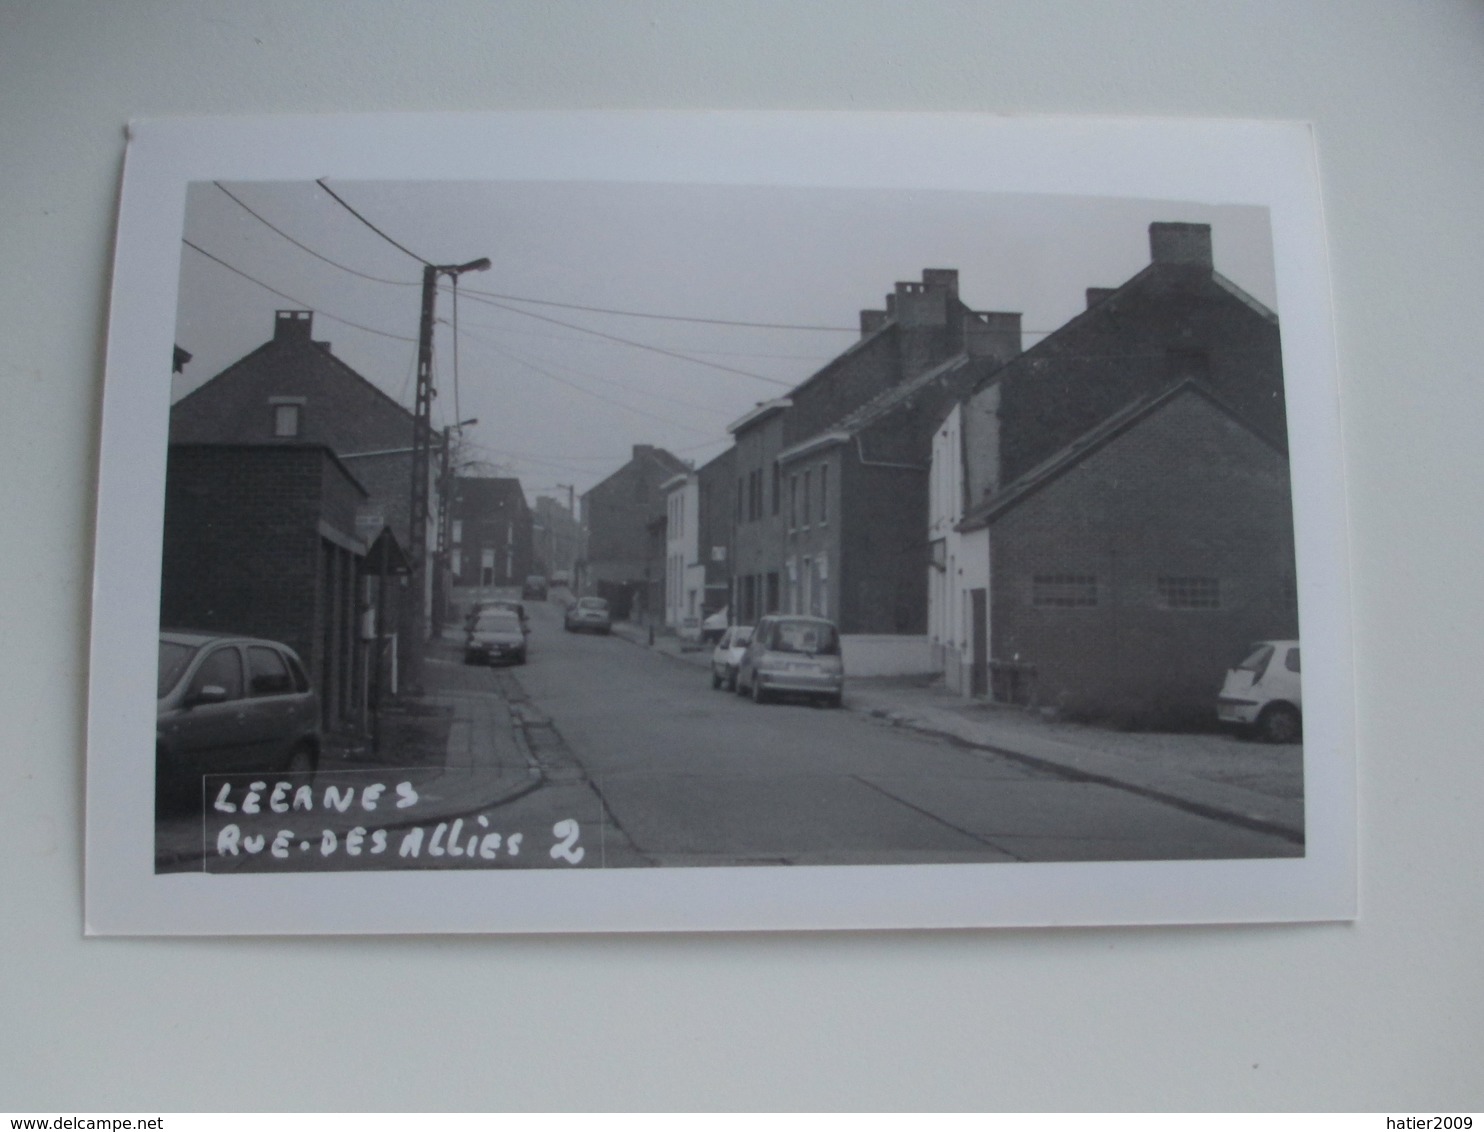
[(557, 405)]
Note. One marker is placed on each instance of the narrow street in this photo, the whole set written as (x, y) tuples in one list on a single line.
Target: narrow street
[(599, 753), (692, 776)]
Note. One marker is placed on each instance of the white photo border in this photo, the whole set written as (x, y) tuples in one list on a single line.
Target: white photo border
[(1271, 164)]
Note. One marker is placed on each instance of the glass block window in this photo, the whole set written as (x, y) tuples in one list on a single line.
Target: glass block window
[(1184, 592), (1064, 591)]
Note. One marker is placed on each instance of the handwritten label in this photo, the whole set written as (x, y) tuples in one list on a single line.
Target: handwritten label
[(365, 820)]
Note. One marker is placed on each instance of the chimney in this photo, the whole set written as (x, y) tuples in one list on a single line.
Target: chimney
[(872, 321), (922, 304), (1186, 244), (941, 278), (293, 326), (1095, 295), (992, 334)]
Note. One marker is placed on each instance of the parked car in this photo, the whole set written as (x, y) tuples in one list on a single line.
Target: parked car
[(497, 635), (489, 605), (715, 625), (534, 589), (793, 655), (1263, 694), (728, 654), (228, 705), (589, 614)]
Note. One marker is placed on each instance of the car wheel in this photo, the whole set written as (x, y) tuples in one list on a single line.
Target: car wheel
[(833, 701), (1279, 723), (715, 680), (758, 695), (732, 679), (302, 760), (521, 659)]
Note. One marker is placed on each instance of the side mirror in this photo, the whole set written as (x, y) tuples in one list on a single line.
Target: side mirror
[(207, 694)]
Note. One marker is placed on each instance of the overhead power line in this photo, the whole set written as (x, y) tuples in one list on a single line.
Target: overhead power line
[(297, 302), (661, 317), (341, 201), (305, 247), (630, 342)]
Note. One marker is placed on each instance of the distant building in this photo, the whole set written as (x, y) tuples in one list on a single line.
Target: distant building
[(619, 562), (558, 538), (491, 537), (714, 485), (1110, 517), (685, 571)]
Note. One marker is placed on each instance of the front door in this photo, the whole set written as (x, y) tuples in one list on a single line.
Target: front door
[(979, 673)]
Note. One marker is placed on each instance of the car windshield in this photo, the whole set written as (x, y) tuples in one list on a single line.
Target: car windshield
[(592, 603), (1258, 660), (173, 659), (812, 637), (501, 621)]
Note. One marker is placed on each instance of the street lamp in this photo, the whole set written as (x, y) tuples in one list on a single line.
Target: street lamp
[(422, 429)]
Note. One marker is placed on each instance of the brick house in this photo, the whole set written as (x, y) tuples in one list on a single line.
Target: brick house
[(260, 540), (293, 390), (1104, 385), (831, 481), (1131, 569), (558, 538), (491, 540), (714, 483), (619, 552)]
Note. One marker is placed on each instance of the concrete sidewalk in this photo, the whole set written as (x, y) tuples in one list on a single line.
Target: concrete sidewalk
[(1255, 785)]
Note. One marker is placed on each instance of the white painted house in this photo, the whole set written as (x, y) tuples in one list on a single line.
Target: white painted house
[(685, 572)]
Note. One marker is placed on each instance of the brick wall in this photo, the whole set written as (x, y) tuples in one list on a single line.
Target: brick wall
[(242, 543), (1188, 492)]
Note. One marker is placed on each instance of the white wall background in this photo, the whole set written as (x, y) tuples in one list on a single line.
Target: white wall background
[(1382, 1014)]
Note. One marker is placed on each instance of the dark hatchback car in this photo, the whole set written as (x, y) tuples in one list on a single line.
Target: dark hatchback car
[(230, 705)]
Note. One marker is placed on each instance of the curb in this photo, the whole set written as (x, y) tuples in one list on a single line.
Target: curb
[(1231, 804)]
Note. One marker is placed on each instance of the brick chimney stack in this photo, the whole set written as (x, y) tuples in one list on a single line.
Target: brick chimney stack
[(1182, 244), (296, 326)]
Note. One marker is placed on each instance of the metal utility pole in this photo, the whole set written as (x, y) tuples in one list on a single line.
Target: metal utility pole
[(422, 444)]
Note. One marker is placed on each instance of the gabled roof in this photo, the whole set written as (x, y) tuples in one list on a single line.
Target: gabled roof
[(1151, 273), (1015, 493), (480, 493), (318, 351)]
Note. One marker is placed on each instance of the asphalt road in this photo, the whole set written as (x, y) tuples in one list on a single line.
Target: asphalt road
[(681, 774)]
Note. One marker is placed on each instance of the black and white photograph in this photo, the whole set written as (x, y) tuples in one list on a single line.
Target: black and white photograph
[(873, 534)]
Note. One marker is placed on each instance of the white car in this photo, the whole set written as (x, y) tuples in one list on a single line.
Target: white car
[(728, 655), (1263, 694), (793, 656)]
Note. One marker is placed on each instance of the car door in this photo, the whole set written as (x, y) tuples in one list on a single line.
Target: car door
[(274, 708), (207, 730)]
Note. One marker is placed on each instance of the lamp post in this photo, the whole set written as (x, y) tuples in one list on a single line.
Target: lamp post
[(441, 578), (422, 437)]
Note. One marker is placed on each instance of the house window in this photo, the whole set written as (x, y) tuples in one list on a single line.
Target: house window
[(1064, 591), (739, 498), (777, 487), (793, 502), (808, 476), (286, 420), (824, 494), (1182, 592), (458, 531)]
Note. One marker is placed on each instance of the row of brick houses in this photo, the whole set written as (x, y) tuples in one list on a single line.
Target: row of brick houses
[(1100, 522), (287, 516)]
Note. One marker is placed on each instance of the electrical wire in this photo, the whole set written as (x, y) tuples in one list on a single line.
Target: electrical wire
[(298, 302), (305, 247), (631, 342), (341, 201)]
